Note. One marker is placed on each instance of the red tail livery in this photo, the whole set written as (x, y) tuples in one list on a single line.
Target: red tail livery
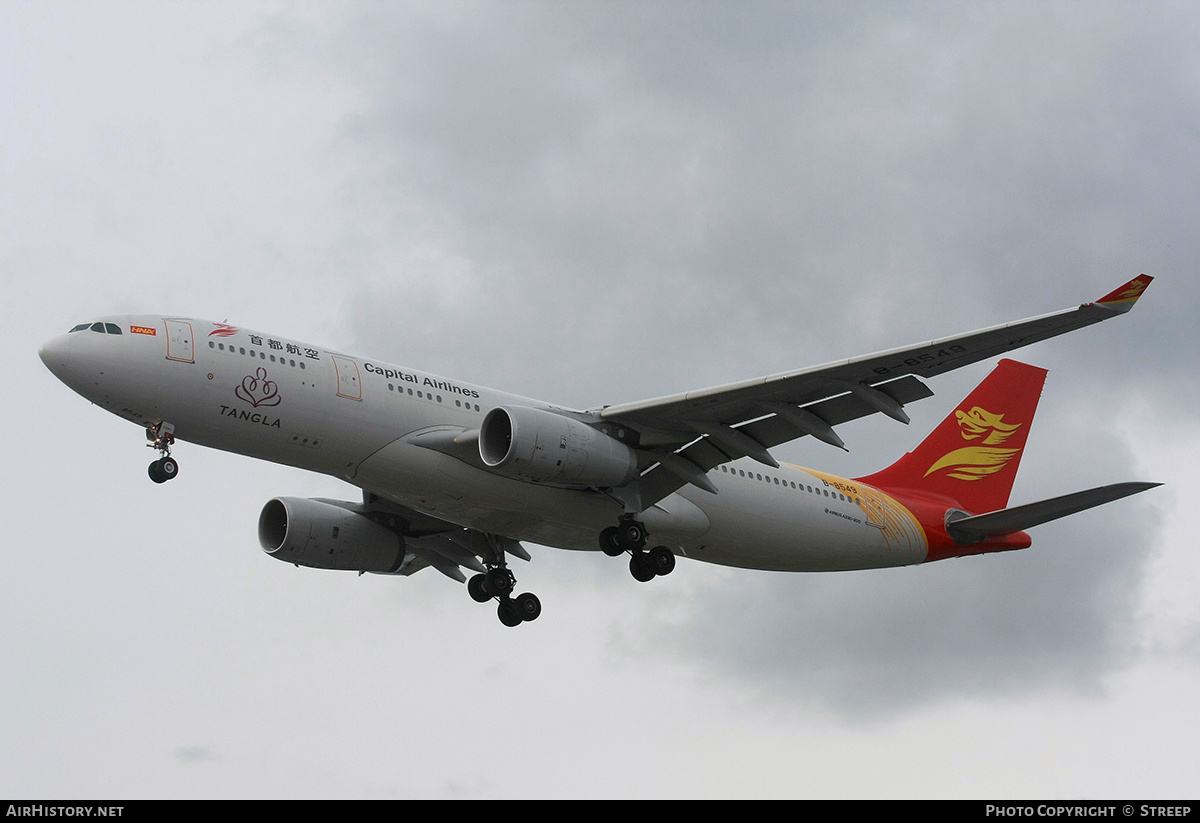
[(972, 457), (958, 480)]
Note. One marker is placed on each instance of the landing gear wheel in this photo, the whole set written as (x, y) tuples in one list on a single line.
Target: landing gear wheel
[(640, 568), (508, 613), (631, 535), (155, 474), (661, 560), (477, 588), (609, 544), (168, 468), (498, 582), (528, 606)]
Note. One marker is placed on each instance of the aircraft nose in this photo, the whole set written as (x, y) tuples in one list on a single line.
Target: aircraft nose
[(54, 353)]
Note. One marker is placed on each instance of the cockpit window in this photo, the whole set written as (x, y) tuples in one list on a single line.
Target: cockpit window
[(102, 328)]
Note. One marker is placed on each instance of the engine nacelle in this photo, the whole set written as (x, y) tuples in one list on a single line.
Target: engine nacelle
[(326, 536), (539, 445)]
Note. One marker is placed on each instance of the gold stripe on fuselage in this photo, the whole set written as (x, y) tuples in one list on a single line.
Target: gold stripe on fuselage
[(900, 528)]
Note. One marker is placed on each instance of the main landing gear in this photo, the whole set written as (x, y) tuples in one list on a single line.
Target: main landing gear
[(630, 535), (161, 437), (497, 583)]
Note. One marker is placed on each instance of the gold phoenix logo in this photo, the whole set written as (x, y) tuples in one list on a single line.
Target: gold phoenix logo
[(1136, 287), (979, 461)]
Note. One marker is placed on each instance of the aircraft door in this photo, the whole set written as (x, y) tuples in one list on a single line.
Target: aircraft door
[(347, 377), (180, 345), (876, 516)]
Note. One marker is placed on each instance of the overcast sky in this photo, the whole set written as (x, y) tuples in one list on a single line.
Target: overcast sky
[(594, 203)]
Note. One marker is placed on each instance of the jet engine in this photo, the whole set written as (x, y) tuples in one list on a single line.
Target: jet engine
[(324, 535), (544, 447)]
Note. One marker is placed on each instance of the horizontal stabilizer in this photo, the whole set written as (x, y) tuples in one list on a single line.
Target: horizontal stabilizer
[(973, 529)]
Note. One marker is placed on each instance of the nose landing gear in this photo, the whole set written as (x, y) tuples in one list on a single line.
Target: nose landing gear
[(163, 469), (161, 437)]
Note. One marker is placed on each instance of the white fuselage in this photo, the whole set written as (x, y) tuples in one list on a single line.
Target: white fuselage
[(277, 399)]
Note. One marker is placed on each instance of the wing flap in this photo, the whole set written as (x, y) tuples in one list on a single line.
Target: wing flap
[(706, 453), (772, 431), (435, 542)]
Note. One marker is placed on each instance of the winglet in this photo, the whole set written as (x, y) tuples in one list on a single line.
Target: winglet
[(1123, 298)]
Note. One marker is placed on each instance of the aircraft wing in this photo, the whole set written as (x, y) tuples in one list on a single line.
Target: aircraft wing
[(692, 432), (431, 541)]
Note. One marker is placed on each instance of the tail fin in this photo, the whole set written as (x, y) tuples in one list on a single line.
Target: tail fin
[(971, 458)]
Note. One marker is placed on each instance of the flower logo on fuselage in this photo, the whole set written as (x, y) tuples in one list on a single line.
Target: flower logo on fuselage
[(257, 390)]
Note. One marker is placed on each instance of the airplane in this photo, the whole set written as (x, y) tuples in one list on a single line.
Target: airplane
[(455, 476)]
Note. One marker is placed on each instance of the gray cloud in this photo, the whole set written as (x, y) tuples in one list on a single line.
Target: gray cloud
[(689, 181), (874, 644), (641, 207), (1056, 617)]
